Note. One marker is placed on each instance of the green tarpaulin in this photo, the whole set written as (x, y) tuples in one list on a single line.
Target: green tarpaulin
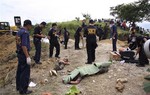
[(86, 70), (147, 77)]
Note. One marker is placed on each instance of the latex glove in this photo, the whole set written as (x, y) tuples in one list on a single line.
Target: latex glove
[(29, 61)]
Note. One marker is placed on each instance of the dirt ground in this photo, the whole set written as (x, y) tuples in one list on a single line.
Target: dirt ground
[(103, 84)]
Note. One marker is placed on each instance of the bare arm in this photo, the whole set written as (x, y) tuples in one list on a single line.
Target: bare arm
[(138, 50), (25, 51), (48, 37), (81, 35), (40, 36)]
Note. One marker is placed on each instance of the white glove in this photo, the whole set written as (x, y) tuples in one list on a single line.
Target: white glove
[(29, 61)]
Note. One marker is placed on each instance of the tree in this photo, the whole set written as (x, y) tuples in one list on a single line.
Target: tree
[(86, 16), (133, 12), (77, 18)]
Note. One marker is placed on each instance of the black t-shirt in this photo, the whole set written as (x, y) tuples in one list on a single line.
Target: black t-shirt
[(37, 30), (66, 34), (90, 33), (78, 31), (53, 35)]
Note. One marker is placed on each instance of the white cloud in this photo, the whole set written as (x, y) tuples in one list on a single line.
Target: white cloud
[(55, 10)]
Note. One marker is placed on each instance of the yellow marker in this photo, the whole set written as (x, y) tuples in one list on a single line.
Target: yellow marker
[(91, 31)]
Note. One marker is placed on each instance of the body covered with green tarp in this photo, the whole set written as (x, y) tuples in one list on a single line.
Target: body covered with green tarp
[(87, 71)]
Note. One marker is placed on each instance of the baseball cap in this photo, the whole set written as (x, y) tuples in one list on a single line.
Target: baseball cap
[(43, 23), (91, 21), (54, 24), (27, 22)]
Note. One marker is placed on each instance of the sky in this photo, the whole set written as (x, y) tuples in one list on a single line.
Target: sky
[(55, 10)]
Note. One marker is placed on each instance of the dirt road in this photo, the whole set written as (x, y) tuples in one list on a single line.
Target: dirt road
[(103, 84)]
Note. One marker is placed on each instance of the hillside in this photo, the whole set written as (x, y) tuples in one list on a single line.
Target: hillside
[(103, 84)]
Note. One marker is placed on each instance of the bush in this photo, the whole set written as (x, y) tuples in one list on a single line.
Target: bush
[(73, 25), (123, 36)]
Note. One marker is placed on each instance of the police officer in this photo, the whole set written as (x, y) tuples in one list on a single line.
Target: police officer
[(77, 36), (53, 39), (105, 33), (143, 60), (91, 43), (100, 32), (66, 37), (37, 41), (24, 60), (114, 35)]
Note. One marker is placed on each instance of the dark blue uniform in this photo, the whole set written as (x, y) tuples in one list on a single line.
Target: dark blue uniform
[(37, 44), (115, 35), (143, 60), (66, 37), (54, 43), (100, 33), (77, 37), (23, 69), (91, 43)]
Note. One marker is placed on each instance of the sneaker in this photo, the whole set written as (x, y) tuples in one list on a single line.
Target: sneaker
[(58, 57), (138, 65), (27, 92), (78, 49), (88, 63), (39, 63)]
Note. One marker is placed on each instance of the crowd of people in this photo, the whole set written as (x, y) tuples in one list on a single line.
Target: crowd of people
[(90, 32)]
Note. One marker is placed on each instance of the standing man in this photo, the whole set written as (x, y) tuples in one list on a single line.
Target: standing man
[(37, 41), (53, 39), (77, 36), (90, 34), (105, 31), (100, 32), (66, 37), (114, 35), (24, 60)]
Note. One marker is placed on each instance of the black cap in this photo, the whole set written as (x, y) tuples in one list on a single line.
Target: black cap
[(43, 23), (54, 24), (27, 22), (91, 21), (111, 22)]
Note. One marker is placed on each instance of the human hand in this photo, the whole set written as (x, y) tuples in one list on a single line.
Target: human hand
[(28, 60)]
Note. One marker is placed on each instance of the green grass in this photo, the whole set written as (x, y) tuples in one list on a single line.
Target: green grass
[(73, 25)]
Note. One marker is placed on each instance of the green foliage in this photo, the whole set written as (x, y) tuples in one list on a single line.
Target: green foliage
[(146, 87), (73, 25), (123, 35), (73, 91), (133, 12)]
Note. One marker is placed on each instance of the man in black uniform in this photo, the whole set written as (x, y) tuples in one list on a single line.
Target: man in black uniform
[(77, 36), (53, 39), (24, 60), (90, 34), (37, 41), (105, 33), (100, 32), (66, 37), (143, 60)]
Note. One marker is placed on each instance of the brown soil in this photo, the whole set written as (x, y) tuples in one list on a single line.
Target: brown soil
[(103, 84)]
